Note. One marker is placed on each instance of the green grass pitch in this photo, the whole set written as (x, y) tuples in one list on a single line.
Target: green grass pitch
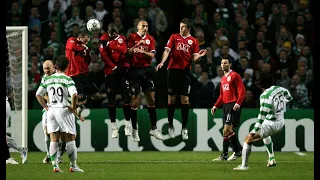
[(164, 166)]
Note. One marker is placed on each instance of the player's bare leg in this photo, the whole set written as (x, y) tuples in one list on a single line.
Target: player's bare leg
[(150, 96), (170, 111), (185, 116)]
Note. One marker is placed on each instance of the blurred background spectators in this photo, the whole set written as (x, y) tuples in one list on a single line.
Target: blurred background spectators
[(257, 35)]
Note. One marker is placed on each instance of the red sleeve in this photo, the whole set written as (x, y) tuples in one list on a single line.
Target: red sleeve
[(73, 45), (170, 42), (130, 41), (152, 46), (241, 89), (220, 99), (87, 58), (195, 47), (120, 46), (105, 57)]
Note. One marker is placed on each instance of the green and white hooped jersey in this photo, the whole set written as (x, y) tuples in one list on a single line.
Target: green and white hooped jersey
[(272, 105), (58, 86)]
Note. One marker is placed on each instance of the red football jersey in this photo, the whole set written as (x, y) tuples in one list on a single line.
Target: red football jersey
[(182, 50), (113, 54), (231, 89), (139, 59), (78, 62)]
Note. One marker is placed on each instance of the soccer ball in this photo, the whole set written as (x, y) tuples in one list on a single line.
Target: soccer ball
[(93, 25)]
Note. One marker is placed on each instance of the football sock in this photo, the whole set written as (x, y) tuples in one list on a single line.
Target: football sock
[(134, 118), (47, 143), (53, 153), (112, 113), (153, 117), (269, 146), (234, 141), (170, 111), (226, 143), (126, 111), (246, 151), (72, 152), (61, 148), (12, 144), (7, 153), (114, 125), (185, 115)]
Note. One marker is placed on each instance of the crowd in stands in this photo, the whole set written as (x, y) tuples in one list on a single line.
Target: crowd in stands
[(257, 35)]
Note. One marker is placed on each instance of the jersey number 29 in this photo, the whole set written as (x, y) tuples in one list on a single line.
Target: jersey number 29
[(59, 93)]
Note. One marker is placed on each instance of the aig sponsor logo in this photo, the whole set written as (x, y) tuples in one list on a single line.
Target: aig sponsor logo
[(225, 87)]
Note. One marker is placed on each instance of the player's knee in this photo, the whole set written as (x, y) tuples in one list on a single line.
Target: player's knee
[(171, 99), (227, 131), (134, 104), (247, 140)]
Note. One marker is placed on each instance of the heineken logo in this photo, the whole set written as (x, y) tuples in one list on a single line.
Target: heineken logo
[(205, 132)]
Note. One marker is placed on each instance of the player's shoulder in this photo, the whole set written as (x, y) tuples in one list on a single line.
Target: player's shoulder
[(175, 35), (148, 36), (192, 38), (104, 37), (235, 74), (133, 35), (121, 38), (72, 39)]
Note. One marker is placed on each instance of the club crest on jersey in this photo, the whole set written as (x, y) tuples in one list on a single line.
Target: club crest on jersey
[(228, 78), (189, 42), (147, 41), (120, 40)]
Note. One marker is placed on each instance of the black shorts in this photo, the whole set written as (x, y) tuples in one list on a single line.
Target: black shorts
[(85, 86), (230, 116), (179, 82), (142, 77), (117, 82)]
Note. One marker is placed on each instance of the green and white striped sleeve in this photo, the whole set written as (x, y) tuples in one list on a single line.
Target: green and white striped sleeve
[(287, 95), (265, 108)]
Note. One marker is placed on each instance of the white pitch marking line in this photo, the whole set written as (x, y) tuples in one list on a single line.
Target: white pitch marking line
[(300, 153), (165, 161)]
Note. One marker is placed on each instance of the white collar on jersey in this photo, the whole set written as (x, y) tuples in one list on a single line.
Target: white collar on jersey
[(114, 38), (141, 35), (185, 36), (228, 73)]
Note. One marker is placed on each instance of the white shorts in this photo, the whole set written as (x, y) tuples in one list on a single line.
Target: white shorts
[(269, 128), (61, 119), (44, 121)]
